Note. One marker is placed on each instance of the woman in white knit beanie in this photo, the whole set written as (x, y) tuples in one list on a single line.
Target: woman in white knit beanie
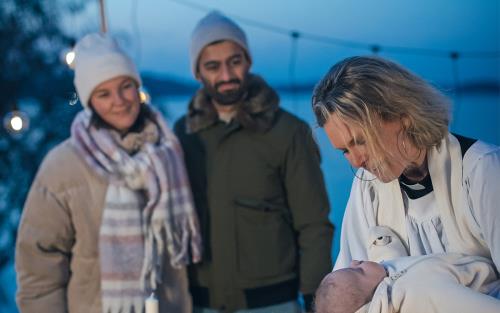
[(109, 220)]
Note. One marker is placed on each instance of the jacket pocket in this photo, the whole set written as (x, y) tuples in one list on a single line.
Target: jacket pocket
[(266, 242)]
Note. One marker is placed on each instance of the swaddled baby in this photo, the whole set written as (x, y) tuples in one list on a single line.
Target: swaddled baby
[(430, 283)]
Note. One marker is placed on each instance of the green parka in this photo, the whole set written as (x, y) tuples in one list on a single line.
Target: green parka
[(262, 203)]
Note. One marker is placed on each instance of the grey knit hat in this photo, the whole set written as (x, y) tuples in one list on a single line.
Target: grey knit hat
[(214, 27), (98, 58)]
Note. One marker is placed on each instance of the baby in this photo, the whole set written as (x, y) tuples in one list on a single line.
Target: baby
[(348, 289), (431, 283)]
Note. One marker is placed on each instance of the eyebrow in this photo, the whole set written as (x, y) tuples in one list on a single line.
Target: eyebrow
[(124, 81), (357, 270), (99, 90), (351, 143), (234, 56), (209, 62)]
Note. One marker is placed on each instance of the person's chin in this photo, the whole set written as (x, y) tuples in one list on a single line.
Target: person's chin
[(386, 178), (125, 123), (226, 99)]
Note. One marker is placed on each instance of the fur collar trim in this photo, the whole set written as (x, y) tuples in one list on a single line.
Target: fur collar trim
[(256, 111)]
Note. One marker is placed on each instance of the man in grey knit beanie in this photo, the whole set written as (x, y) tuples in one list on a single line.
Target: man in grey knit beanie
[(259, 191), (217, 28)]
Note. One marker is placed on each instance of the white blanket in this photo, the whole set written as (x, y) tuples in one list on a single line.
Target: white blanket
[(441, 283)]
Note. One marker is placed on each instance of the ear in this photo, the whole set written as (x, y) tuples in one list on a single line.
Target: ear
[(405, 122), (249, 60), (197, 76)]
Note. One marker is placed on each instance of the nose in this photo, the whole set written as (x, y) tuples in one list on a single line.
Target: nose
[(118, 98), (357, 159), (355, 263), (226, 73)]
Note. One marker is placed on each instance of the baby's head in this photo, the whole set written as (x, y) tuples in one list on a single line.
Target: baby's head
[(348, 289)]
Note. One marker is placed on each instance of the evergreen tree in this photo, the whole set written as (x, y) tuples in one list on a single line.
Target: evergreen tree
[(32, 78)]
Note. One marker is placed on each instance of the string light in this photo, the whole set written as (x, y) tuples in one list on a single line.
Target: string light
[(16, 122), (294, 36), (374, 48), (144, 95), (68, 55)]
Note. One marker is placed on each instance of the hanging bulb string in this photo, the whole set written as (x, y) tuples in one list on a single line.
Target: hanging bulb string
[(456, 81), (293, 64), (134, 17), (102, 13), (374, 48)]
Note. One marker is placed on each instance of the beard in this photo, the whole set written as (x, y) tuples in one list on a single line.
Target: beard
[(228, 97)]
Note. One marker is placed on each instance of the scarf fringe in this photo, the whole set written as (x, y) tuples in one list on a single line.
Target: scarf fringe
[(124, 305)]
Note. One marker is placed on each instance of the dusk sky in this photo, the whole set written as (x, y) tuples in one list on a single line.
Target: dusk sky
[(156, 33)]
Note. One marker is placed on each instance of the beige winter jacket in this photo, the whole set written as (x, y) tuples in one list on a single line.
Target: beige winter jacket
[(57, 260)]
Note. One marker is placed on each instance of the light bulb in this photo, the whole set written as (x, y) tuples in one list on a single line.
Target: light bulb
[(69, 58), (144, 95), (16, 123)]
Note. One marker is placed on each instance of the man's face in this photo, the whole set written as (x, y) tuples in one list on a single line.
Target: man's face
[(222, 68)]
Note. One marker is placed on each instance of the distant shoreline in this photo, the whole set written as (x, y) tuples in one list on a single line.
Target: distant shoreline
[(158, 86)]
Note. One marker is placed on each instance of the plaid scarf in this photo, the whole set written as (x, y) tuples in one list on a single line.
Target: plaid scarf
[(136, 231)]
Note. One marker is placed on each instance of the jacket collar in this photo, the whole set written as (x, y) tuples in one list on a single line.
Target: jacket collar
[(256, 111)]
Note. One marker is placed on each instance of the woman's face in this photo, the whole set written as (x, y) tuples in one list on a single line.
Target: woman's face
[(351, 141), (117, 102)]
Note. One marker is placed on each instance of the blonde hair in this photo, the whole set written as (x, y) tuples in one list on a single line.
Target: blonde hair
[(366, 91)]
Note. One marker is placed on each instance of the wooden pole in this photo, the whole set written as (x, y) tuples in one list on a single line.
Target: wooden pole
[(102, 10)]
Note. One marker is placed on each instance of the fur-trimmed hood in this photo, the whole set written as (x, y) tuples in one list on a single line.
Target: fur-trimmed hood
[(256, 111)]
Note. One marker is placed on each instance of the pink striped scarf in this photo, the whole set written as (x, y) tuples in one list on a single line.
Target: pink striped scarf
[(139, 233)]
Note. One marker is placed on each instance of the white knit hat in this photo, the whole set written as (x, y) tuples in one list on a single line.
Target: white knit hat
[(98, 58), (214, 27)]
